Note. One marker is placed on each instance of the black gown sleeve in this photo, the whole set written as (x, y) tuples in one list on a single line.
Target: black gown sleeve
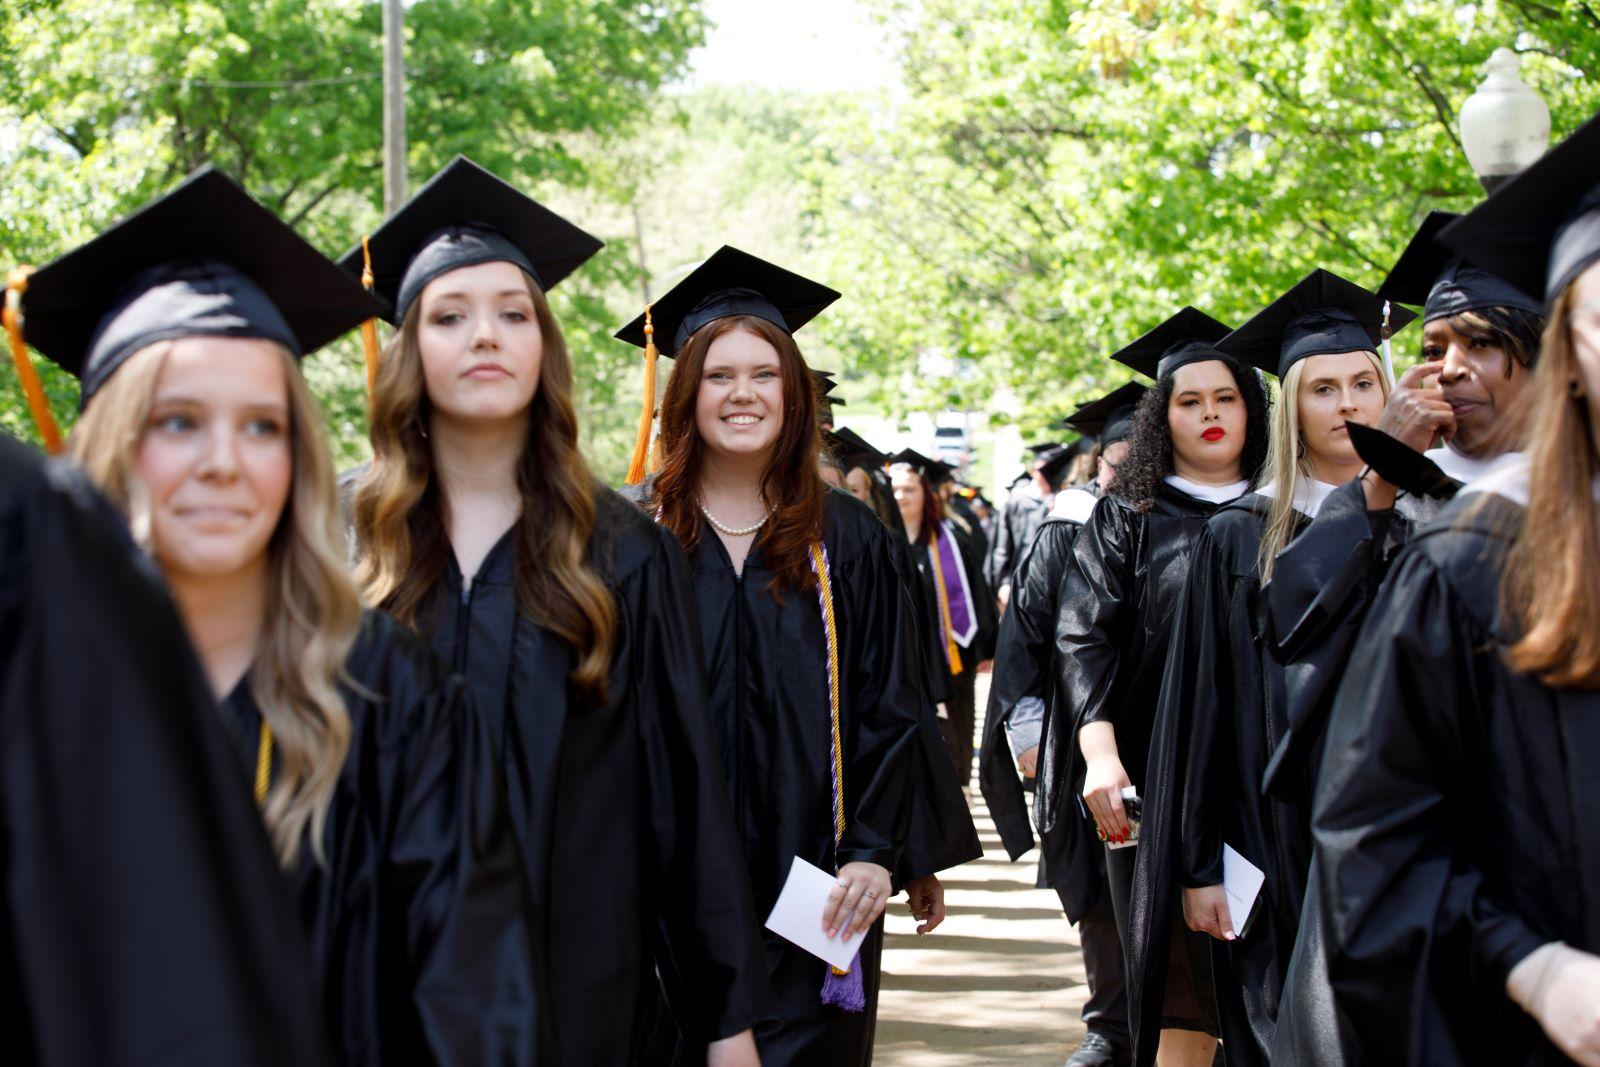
[(883, 709), (1323, 584), (453, 874), (1391, 861), (144, 919), (1195, 722), (716, 978)]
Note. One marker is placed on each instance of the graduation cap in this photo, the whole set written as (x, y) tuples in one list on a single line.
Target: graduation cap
[(1110, 417), (465, 216), (730, 283), (1053, 463), (1400, 465), (935, 471), (205, 260), (1185, 338), (1321, 314), (1043, 448), (852, 451), (1430, 276), (1539, 230)]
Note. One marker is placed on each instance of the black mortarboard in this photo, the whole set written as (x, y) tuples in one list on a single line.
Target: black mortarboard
[(1111, 416), (1042, 448), (1542, 228), (851, 450), (1052, 464), (934, 470), (731, 282), (1430, 276), (1185, 338), (1321, 314), (205, 260), (465, 216), (1399, 464)]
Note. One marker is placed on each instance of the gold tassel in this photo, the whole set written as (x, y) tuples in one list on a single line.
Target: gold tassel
[(38, 405), (369, 328), (641, 443)]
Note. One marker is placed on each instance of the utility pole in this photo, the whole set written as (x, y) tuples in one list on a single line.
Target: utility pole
[(394, 107)]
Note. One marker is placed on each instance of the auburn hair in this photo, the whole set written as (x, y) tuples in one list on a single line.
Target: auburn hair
[(791, 485), (932, 508), (400, 506), (313, 612), (1551, 587)]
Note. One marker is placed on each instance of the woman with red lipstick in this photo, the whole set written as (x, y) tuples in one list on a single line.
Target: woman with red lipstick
[(1222, 705), (803, 617), (1198, 438), (568, 613)]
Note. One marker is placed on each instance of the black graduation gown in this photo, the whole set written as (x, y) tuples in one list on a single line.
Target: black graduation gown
[(767, 664), (1023, 667), (983, 606), (970, 525), (621, 812), (1221, 715), (1457, 822), (143, 919), (418, 922), (1323, 584), (1020, 518), (1115, 609)]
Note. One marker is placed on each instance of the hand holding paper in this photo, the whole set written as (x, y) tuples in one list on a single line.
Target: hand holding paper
[(797, 915)]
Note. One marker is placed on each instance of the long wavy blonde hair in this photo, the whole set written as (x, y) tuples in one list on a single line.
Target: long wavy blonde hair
[(313, 608), (399, 507), (1288, 467)]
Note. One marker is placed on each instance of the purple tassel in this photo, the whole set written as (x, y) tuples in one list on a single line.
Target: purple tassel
[(844, 991)]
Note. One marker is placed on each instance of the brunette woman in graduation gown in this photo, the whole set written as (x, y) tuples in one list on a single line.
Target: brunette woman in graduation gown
[(372, 772), (1197, 440), (1222, 701), (956, 598), (1457, 822), (818, 773), (568, 613), (145, 919), (1480, 340)]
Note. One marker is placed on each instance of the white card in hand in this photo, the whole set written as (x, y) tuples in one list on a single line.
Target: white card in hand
[(1241, 882), (797, 916)]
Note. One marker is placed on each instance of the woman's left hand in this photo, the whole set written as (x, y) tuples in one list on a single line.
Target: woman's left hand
[(857, 901), (736, 1051), (925, 899)]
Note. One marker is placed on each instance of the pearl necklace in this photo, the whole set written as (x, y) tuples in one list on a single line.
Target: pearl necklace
[(729, 530)]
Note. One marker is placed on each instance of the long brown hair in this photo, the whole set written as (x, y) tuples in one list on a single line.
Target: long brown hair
[(791, 486), (1551, 587), (400, 506), (932, 509), (313, 611)]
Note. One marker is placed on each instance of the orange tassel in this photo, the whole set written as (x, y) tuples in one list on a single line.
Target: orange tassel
[(38, 405), (369, 329), (641, 443)]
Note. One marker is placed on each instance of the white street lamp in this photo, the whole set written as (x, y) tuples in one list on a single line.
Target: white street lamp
[(1504, 124)]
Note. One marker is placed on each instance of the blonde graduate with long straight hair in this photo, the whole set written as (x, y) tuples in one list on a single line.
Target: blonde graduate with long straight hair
[(1222, 707), (567, 611), (366, 759)]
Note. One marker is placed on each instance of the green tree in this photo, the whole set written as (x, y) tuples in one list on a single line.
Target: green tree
[(111, 101)]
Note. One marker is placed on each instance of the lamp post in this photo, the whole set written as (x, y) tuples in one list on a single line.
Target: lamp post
[(1504, 124)]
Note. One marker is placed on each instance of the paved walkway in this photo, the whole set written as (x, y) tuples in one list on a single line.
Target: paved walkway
[(1001, 982)]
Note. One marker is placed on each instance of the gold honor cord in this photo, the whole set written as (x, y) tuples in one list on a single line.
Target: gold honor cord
[(263, 762), (38, 406), (819, 564), (944, 603)]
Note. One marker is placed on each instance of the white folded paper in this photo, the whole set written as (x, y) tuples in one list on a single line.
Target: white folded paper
[(797, 916), (1241, 881)]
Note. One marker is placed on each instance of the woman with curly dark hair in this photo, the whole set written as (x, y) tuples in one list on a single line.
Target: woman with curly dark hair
[(1199, 435), (803, 620)]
